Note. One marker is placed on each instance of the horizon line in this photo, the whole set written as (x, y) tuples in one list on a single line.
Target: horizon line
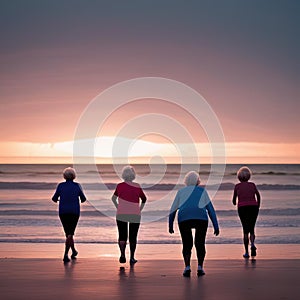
[(63, 160)]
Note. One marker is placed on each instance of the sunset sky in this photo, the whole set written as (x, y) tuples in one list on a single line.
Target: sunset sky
[(241, 56)]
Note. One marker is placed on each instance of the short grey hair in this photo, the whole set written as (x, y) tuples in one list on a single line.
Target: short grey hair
[(244, 174), (128, 173), (69, 173), (192, 178)]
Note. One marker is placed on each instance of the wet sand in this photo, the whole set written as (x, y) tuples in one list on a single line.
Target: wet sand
[(37, 272), (146, 251), (101, 278)]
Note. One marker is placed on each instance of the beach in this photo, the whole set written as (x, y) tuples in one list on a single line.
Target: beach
[(37, 272), (32, 239), (167, 88)]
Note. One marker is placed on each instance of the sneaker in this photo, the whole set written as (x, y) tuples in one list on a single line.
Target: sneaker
[(133, 261), (66, 259), (246, 255), (74, 254), (200, 272), (187, 273), (122, 259), (253, 251)]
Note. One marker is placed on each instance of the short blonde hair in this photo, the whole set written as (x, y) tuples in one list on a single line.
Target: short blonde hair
[(192, 178), (244, 174), (69, 173), (128, 173)]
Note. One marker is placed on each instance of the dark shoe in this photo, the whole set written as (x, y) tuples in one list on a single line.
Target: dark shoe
[(246, 255), (66, 259), (187, 273), (253, 251), (133, 261), (122, 259), (74, 254), (200, 273)]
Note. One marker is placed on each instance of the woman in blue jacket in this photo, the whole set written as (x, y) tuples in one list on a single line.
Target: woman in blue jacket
[(194, 206), (68, 194)]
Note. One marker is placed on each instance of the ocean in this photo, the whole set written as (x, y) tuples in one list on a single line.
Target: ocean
[(27, 214)]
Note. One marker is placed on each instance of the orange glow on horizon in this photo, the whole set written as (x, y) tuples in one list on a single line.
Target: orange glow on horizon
[(235, 153)]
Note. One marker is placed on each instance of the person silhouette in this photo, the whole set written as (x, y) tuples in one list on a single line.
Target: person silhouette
[(126, 199), (248, 207), (68, 194), (194, 206)]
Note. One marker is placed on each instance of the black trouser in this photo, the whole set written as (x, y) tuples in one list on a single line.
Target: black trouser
[(185, 228), (69, 222), (248, 216), (123, 231)]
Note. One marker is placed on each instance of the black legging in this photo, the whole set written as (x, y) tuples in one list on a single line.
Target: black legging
[(69, 222), (185, 228), (123, 231), (248, 216)]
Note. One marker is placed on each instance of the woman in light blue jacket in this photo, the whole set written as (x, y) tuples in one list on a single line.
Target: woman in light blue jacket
[(194, 206)]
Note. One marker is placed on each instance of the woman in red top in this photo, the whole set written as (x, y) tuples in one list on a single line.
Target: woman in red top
[(126, 199), (248, 207)]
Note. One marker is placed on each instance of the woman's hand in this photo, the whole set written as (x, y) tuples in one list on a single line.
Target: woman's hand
[(171, 230), (216, 232)]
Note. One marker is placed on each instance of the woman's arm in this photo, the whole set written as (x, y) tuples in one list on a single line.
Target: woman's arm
[(56, 194), (258, 199), (143, 198), (142, 205), (114, 200), (212, 215), (172, 213), (81, 194), (234, 196)]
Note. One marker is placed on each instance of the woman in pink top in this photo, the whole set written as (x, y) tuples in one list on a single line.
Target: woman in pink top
[(248, 207), (126, 199)]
